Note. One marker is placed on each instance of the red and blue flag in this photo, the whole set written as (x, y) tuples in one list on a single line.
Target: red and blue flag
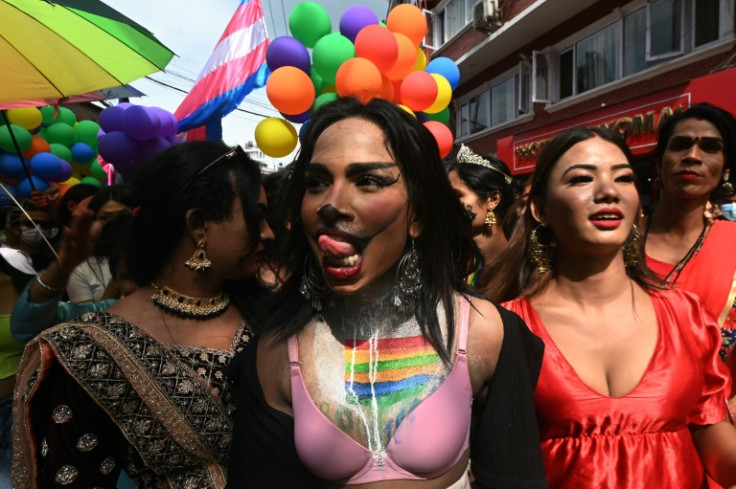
[(236, 67)]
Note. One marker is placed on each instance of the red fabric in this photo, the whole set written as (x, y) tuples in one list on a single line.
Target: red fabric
[(711, 273), (640, 440)]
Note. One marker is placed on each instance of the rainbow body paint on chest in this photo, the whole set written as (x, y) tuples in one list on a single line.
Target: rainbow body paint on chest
[(390, 370)]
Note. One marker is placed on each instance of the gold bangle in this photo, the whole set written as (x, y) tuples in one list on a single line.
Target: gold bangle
[(47, 286)]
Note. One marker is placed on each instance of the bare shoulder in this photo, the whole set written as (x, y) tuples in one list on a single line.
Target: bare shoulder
[(272, 363), (485, 336)]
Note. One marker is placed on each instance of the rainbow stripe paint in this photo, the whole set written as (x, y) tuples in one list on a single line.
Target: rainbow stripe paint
[(401, 369)]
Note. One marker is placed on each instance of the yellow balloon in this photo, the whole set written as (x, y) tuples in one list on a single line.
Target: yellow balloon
[(276, 137), (70, 182), (444, 94), (411, 112), (421, 63), (25, 117)]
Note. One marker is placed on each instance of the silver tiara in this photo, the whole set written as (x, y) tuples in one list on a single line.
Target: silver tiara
[(466, 155)]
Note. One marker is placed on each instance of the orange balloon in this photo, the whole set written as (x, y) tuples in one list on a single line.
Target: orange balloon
[(406, 59), (409, 20), (359, 78), (387, 89), (418, 90), (377, 44), (290, 90), (38, 145)]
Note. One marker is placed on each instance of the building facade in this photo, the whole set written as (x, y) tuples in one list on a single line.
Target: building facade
[(530, 69)]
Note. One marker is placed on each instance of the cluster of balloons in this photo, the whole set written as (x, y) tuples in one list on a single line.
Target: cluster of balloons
[(54, 147), (132, 135), (365, 59)]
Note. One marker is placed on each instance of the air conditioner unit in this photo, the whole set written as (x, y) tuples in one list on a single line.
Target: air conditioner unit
[(486, 16)]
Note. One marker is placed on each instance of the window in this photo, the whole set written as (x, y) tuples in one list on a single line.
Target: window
[(540, 77), (503, 102), (567, 76), (664, 37), (454, 17), (597, 58), (475, 114), (707, 21)]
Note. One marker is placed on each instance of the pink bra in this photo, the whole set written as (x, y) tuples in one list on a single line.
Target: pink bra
[(428, 442)]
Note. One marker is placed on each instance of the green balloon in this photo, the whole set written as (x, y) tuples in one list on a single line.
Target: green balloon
[(330, 53), (67, 116), (47, 113), (61, 151), (323, 99), (91, 181), (41, 133), (61, 133), (96, 170), (317, 81), (22, 137), (308, 22), (86, 132), (442, 116)]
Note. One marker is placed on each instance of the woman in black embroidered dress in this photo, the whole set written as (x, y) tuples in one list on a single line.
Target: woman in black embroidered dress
[(141, 386)]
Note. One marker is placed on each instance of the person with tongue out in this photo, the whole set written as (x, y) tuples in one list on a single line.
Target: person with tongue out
[(374, 348), (631, 392)]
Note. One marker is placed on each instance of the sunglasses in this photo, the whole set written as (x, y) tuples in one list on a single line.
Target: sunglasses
[(235, 152)]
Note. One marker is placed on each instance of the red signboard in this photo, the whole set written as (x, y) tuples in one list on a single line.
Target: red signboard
[(638, 119)]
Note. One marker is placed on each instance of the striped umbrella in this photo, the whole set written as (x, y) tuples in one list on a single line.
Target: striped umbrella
[(56, 50)]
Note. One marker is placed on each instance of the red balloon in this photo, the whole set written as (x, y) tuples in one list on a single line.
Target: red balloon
[(442, 135), (290, 90), (377, 44), (418, 90), (359, 78)]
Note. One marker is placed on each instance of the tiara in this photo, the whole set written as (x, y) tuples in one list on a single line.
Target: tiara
[(466, 155)]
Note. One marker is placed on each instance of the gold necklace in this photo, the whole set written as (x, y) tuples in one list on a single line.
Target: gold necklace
[(190, 307)]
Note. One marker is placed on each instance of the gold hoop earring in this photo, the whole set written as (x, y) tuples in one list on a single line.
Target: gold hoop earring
[(199, 260), (540, 254), (632, 249)]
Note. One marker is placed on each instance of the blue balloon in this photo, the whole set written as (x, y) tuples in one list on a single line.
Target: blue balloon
[(447, 68), (46, 165), (24, 186), (4, 198), (11, 166), (82, 152), (303, 130)]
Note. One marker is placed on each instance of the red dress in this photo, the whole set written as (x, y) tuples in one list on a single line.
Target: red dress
[(711, 275), (640, 440)]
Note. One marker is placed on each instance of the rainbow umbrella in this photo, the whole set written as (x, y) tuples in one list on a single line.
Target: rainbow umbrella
[(56, 50)]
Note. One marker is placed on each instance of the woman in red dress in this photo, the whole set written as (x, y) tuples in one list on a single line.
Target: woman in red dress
[(631, 392), (697, 151)]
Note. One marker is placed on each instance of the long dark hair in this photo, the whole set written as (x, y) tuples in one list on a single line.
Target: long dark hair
[(483, 181), (512, 274), (445, 244), (172, 183)]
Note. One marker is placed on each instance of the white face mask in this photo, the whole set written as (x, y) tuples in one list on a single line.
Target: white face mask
[(33, 237), (729, 211)]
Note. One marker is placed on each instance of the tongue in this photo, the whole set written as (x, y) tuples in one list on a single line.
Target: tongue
[(333, 247)]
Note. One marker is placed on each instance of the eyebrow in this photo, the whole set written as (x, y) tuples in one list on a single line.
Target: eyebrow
[(590, 167), (353, 168)]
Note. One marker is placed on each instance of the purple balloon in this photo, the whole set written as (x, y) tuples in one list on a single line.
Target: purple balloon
[(141, 123), (117, 148), (299, 118), (147, 150), (46, 165), (169, 124), (65, 172), (287, 51), (111, 119), (173, 140), (354, 19)]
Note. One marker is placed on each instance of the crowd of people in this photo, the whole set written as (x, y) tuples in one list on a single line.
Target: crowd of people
[(372, 316)]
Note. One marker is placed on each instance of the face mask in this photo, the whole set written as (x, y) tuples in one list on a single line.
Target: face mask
[(729, 211), (33, 237)]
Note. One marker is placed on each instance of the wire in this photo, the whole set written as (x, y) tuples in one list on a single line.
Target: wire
[(30, 219)]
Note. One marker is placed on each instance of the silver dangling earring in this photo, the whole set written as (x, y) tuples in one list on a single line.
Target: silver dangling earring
[(313, 286), (408, 281)]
